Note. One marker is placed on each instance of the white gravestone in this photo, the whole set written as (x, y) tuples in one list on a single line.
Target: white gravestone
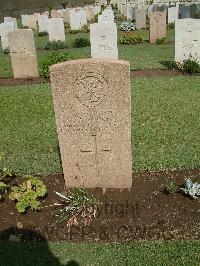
[(43, 21), (187, 39), (25, 20), (9, 19), (77, 18), (103, 38), (56, 29), (106, 17), (23, 53), (5, 28), (172, 14)]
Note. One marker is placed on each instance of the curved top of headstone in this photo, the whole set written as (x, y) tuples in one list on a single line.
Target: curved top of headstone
[(89, 61)]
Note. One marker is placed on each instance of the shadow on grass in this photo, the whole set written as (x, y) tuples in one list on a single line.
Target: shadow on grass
[(28, 248), (168, 64)]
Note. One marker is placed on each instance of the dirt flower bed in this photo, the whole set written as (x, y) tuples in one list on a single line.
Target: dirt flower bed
[(145, 212)]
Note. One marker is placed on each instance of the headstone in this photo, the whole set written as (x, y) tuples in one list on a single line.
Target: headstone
[(43, 21), (10, 19), (56, 14), (140, 19), (184, 11), (65, 13), (157, 23), (77, 19), (25, 20), (32, 23), (5, 28), (56, 29), (172, 14), (23, 54), (106, 17), (103, 38), (187, 39), (130, 15), (92, 105)]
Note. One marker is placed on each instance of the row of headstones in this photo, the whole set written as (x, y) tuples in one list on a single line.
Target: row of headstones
[(173, 11), (103, 38), (77, 18)]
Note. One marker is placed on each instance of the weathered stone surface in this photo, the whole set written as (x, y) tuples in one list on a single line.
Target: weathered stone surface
[(25, 20), (23, 54), (92, 101), (32, 22), (140, 19), (9, 19), (43, 21), (4, 29), (77, 18), (56, 14), (157, 24), (187, 39), (172, 14), (56, 29), (107, 16), (103, 39), (66, 17)]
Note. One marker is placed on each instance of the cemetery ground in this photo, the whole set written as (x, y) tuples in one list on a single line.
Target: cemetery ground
[(165, 113), (165, 146), (142, 56)]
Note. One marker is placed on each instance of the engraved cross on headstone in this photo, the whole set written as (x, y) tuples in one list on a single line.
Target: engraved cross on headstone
[(96, 152)]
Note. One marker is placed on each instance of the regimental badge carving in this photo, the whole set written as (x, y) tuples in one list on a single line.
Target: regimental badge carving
[(91, 89), (104, 44)]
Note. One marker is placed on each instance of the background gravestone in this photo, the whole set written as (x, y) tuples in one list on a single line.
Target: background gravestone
[(4, 29), (43, 21), (103, 39), (56, 29), (92, 101), (187, 39), (157, 29), (23, 54), (140, 19)]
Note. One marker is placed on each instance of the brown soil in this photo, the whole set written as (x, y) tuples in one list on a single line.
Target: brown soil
[(17, 82), (143, 212), (134, 73)]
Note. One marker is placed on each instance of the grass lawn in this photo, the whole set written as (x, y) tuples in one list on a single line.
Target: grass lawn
[(140, 56), (146, 253), (165, 126)]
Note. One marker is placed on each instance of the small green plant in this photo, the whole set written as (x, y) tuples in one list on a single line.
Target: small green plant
[(129, 39), (191, 189), (55, 45), (170, 26), (170, 187), (191, 66), (6, 51), (54, 58), (81, 42), (161, 40), (78, 207), (43, 33), (28, 193)]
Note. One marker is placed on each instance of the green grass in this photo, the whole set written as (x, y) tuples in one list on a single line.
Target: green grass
[(165, 126), (140, 56), (146, 253)]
